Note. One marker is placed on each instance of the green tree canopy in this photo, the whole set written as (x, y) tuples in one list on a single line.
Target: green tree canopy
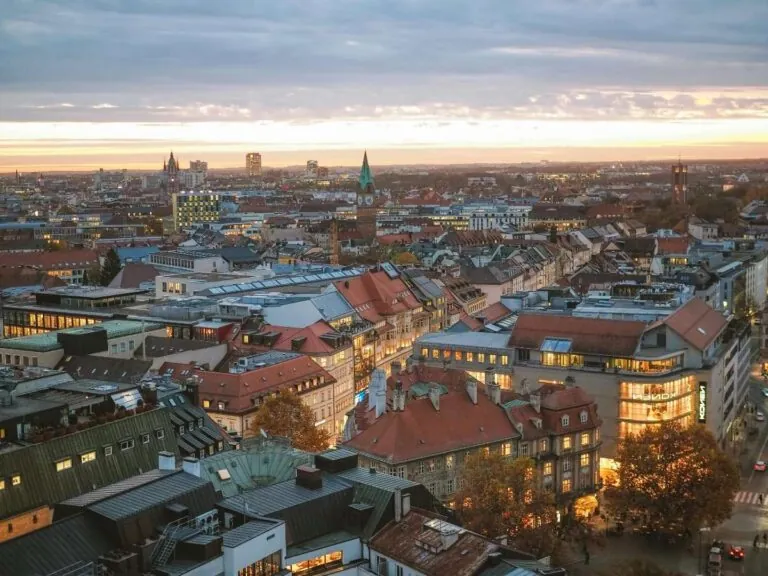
[(675, 477), (500, 497), (111, 267), (286, 415)]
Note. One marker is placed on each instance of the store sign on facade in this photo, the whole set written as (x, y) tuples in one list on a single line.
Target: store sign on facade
[(702, 401)]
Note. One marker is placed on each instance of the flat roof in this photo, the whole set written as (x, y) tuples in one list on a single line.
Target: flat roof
[(94, 387), (206, 276), (90, 292), (49, 340), (24, 405), (491, 340)]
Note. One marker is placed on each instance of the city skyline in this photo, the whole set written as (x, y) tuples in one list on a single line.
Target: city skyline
[(437, 82)]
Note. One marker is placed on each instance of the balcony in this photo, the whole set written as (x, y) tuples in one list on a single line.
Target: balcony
[(598, 369)]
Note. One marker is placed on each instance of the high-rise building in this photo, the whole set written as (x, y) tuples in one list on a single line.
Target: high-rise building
[(171, 171), (679, 183), (253, 164), (312, 168), (366, 194), (198, 166), (193, 207)]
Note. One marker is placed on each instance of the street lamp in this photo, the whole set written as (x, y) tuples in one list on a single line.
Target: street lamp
[(701, 534)]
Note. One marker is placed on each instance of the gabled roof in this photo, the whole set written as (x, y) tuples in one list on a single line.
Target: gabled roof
[(125, 371), (587, 335), (375, 295), (674, 245), (61, 259), (312, 344), (697, 323), (132, 275)]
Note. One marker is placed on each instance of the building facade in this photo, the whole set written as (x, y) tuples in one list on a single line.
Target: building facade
[(193, 207), (253, 164)]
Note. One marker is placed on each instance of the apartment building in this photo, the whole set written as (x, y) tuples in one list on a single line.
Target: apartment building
[(195, 207)]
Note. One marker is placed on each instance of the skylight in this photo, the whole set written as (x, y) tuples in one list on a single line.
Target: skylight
[(556, 345)]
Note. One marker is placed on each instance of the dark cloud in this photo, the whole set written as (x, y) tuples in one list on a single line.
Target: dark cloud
[(150, 60)]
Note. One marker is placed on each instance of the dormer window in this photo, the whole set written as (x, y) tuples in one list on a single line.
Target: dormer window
[(565, 420), (583, 416)]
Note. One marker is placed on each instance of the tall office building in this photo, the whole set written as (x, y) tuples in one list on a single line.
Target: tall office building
[(366, 194), (311, 169), (193, 207), (680, 183), (253, 164), (198, 166)]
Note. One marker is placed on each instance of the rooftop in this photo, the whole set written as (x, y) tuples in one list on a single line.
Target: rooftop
[(90, 292), (49, 340), (488, 340)]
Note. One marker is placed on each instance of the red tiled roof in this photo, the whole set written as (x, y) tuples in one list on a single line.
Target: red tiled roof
[(58, 260), (420, 431), (25, 276), (587, 335), (375, 295), (237, 390), (673, 245), (313, 344), (697, 323), (556, 402), (494, 312)]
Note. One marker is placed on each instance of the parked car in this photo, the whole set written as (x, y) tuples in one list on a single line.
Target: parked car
[(760, 417), (760, 466)]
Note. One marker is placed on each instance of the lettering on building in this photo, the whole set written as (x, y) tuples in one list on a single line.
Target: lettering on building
[(702, 402)]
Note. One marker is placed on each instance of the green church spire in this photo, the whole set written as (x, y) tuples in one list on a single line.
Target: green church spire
[(366, 178)]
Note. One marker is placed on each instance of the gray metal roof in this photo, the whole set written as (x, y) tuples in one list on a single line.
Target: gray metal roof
[(248, 531), (337, 454), (148, 496), (117, 488), (332, 305), (386, 482), (484, 340), (279, 497)]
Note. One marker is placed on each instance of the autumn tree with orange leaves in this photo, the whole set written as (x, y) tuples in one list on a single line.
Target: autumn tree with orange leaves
[(287, 416)]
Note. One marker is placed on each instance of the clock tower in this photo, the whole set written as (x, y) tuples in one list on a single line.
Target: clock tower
[(366, 195)]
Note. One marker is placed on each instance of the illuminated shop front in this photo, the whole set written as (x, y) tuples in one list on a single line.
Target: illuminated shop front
[(268, 566), (318, 565), (642, 404)]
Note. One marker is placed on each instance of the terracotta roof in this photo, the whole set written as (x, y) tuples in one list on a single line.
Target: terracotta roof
[(697, 323), (238, 390), (678, 245), (605, 211), (374, 295), (313, 343), (60, 259), (403, 541), (556, 402), (133, 274), (420, 431), (587, 335), (494, 312), (27, 276)]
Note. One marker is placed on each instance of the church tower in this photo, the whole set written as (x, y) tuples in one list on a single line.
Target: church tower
[(171, 170), (366, 194)]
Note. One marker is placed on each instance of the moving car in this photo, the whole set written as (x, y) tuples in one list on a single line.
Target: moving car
[(765, 392), (760, 466), (736, 552), (760, 417)]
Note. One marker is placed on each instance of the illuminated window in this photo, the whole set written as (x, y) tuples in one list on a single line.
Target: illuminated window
[(206, 403), (16, 480), (449, 462), (65, 464), (470, 357), (492, 358), (504, 359), (566, 485), (506, 449), (2, 483), (435, 353), (88, 457), (458, 355), (566, 442), (543, 445), (584, 460), (585, 438), (547, 468), (480, 357)]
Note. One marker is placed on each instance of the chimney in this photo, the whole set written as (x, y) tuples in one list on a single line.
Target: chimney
[(381, 402), (309, 477), (166, 460), (535, 400), (434, 397), (395, 369), (490, 376), (406, 504), (191, 466), (472, 390), (491, 388), (398, 505), (398, 397)]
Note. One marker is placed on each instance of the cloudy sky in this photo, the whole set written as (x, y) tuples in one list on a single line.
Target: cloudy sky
[(88, 83)]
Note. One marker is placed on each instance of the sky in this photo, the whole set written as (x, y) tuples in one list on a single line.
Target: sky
[(119, 83)]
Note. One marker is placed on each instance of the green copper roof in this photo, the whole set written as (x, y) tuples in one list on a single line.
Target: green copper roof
[(366, 178)]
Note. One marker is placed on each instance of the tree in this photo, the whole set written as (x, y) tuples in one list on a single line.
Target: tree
[(111, 267), (500, 497), (405, 259), (676, 478), (286, 415)]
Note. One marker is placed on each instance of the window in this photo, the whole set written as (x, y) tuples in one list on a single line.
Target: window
[(506, 449), (127, 444), (566, 485), (480, 357), (182, 430), (583, 416), (491, 358), (584, 460), (435, 353), (547, 468), (597, 434), (159, 433), (543, 445), (566, 465), (524, 449), (566, 442), (114, 349), (65, 464), (470, 357), (131, 344), (523, 355), (145, 438), (107, 450), (449, 462), (398, 571), (123, 346), (2, 484), (221, 405), (504, 359), (565, 420), (449, 486), (458, 355), (206, 403), (88, 457), (585, 438)]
